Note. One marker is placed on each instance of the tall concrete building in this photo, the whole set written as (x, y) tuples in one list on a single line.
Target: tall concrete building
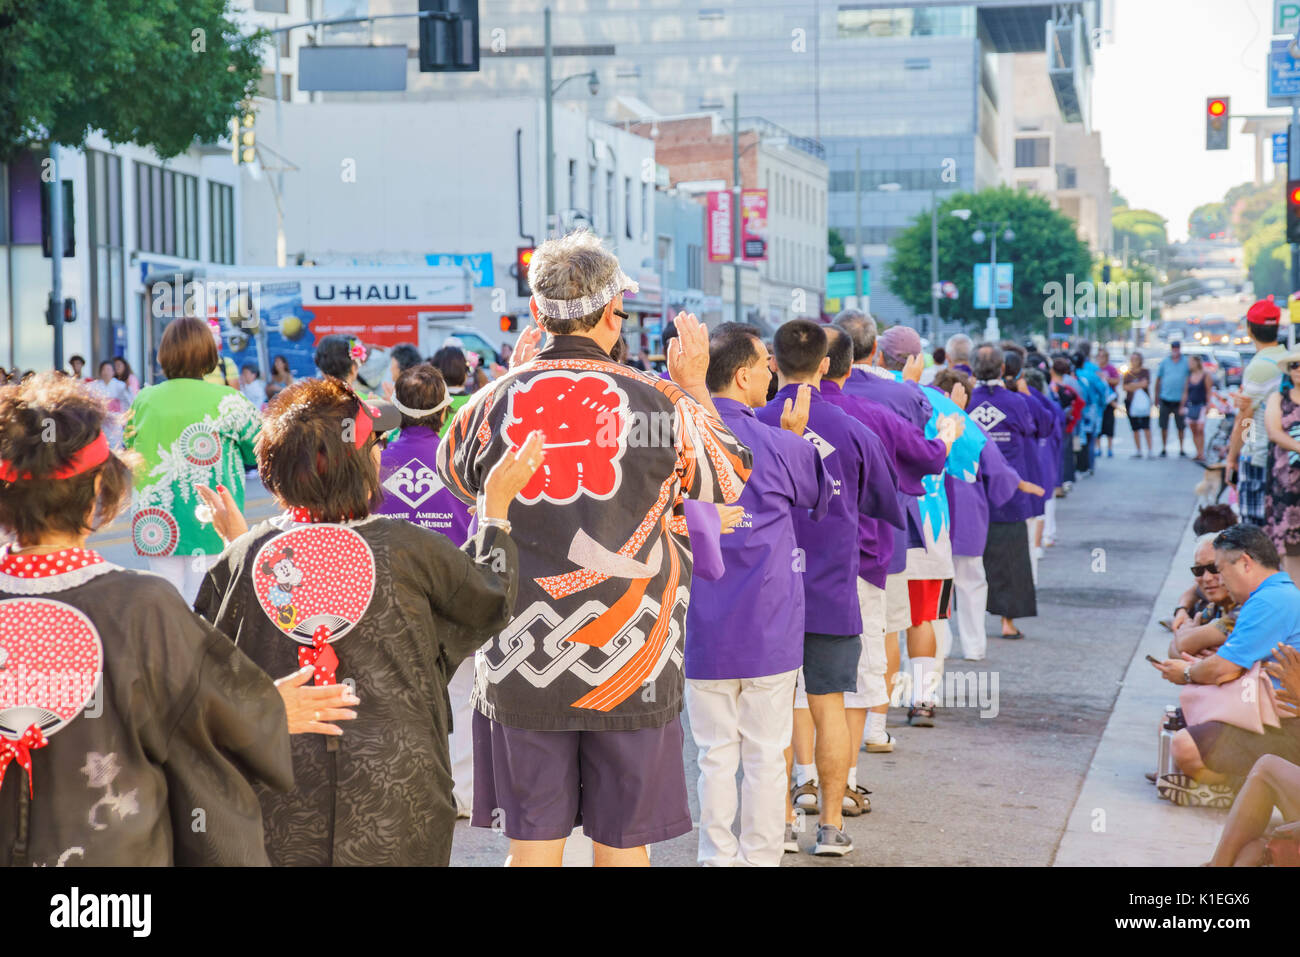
[(920, 87), (697, 153)]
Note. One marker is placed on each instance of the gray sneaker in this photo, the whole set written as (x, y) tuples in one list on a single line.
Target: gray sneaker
[(832, 842), (791, 844)]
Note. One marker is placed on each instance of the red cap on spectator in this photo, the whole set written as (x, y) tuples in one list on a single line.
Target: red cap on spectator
[(1264, 313)]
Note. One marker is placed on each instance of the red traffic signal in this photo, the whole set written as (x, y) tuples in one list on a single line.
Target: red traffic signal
[(1293, 211), (509, 323), (1069, 321), (523, 259), (1217, 107)]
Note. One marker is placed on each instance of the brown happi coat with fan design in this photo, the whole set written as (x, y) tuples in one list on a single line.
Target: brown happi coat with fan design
[(156, 769), (381, 793)]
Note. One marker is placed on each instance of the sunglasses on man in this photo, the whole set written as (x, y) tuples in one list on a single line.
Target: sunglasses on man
[(1208, 568)]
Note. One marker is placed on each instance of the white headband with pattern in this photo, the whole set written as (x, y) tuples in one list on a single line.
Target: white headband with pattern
[(577, 308), (420, 413)]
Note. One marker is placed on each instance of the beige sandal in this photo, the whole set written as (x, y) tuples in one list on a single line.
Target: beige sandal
[(807, 789)]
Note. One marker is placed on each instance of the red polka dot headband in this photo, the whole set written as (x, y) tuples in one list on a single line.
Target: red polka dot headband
[(89, 456)]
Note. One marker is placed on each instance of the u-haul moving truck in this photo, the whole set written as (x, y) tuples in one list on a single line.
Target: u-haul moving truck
[(268, 312)]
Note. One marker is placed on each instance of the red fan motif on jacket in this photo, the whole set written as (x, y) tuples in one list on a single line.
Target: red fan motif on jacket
[(51, 663), (315, 584)]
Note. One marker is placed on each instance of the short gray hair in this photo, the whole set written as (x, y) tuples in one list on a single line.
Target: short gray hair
[(571, 267), (860, 328), (958, 348)]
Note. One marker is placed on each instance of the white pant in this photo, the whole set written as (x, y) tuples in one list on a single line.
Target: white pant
[(460, 741), (972, 594), (1031, 526), (1049, 518), (872, 689), (749, 722), (185, 572)]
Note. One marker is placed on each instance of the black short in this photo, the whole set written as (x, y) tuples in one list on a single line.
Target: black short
[(830, 663), (1108, 421), (1233, 751), (1140, 423), (1167, 409)]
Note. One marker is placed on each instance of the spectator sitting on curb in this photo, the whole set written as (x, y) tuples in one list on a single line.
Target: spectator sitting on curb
[(1211, 753), (1211, 520), (1214, 612)]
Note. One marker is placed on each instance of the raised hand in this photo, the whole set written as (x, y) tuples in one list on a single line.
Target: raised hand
[(959, 396), (794, 415), (913, 368), (509, 476), (527, 346), (688, 354)]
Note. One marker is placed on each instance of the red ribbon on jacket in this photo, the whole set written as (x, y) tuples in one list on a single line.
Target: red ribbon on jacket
[(321, 656), (21, 751)]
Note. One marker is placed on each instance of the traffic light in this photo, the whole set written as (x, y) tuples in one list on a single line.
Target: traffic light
[(509, 323), (1293, 211), (449, 40), (1217, 111), (1069, 321), (523, 259), (69, 311), (243, 138)]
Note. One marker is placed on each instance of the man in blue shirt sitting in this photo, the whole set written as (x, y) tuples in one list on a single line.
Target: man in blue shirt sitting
[(1171, 378), (1213, 752)]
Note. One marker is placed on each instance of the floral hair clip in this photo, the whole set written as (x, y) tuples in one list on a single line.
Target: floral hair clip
[(357, 351)]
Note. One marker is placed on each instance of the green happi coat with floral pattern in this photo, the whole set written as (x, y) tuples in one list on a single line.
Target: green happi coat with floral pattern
[(189, 432)]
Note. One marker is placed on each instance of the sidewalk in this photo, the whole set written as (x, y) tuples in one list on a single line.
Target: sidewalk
[(1118, 820)]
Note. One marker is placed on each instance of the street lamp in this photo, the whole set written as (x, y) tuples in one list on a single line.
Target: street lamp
[(991, 331), (551, 88)]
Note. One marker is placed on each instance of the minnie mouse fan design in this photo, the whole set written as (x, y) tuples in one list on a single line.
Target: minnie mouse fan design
[(51, 663), (315, 583)]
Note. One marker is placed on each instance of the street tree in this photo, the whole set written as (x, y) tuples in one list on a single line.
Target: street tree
[(1046, 249), (835, 247), (159, 74), (1143, 228), (1208, 219)]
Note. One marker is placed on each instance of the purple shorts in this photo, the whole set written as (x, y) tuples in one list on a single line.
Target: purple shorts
[(625, 788)]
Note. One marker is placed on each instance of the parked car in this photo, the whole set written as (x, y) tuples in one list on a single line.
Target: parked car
[(1232, 364)]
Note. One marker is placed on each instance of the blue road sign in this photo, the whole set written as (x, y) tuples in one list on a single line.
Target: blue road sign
[(1279, 149), (1006, 278), (1283, 74)]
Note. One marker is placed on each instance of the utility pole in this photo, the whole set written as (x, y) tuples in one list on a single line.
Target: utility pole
[(735, 197), (857, 230), (993, 333), (550, 131), (1293, 173), (56, 256)]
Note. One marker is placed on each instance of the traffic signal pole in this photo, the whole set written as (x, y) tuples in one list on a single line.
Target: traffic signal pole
[(1293, 173), (56, 256)]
